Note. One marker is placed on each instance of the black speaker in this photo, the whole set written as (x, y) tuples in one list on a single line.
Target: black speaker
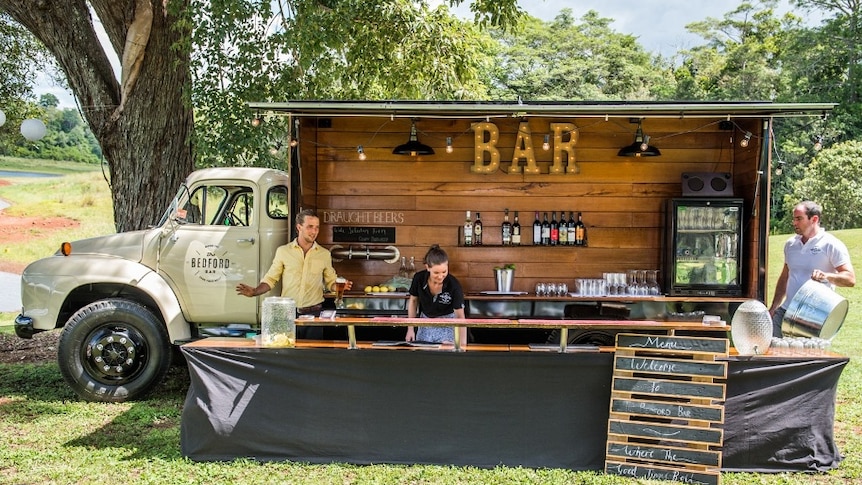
[(707, 184)]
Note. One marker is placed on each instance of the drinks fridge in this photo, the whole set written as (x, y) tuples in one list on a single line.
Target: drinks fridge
[(703, 247)]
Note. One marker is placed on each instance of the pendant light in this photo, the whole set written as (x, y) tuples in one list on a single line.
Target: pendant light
[(413, 146), (640, 147)]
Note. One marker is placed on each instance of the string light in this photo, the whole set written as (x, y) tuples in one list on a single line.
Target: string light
[(818, 145), (293, 143), (273, 150), (745, 140), (547, 143), (449, 148), (257, 120), (361, 152)]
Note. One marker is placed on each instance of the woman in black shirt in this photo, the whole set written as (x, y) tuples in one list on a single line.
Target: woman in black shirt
[(434, 293)]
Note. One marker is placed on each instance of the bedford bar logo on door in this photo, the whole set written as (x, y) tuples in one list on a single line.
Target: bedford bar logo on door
[(487, 135), (207, 262)]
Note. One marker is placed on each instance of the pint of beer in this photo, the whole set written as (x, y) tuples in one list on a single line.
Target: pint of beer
[(340, 285)]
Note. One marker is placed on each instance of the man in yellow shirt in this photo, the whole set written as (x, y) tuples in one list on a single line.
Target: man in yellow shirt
[(305, 269)]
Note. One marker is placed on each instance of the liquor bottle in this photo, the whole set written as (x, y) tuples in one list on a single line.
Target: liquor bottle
[(555, 229), (516, 231), (506, 229), (546, 231), (412, 267), (564, 229), (537, 231), (477, 230), (580, 232), (402, 271), (570, 229), (468, 231)]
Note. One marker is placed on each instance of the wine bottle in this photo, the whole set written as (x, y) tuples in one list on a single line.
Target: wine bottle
[(555, 229), (477, 230), (570, 229), (580, 232), (506, 229), (564, 229), (537, 231), (468, 231), (546, 231), (516, 231)]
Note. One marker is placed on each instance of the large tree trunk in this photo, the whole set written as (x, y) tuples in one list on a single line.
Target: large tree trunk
[(148, 145)]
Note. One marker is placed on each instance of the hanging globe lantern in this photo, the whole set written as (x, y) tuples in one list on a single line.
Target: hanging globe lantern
[(33, 129)]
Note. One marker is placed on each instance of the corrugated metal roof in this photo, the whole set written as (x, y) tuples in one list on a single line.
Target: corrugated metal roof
[(593, 109)]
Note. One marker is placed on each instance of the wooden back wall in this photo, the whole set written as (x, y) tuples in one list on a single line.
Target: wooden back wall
[(425, 197)]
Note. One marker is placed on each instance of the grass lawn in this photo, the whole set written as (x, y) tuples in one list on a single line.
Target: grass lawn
[(48, 436)]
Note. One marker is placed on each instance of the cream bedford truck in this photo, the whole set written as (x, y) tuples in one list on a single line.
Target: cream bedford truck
[(123, 299)]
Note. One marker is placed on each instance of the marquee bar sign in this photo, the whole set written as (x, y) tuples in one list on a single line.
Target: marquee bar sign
[(487, 135)]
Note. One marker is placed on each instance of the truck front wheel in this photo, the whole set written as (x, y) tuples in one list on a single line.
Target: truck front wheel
[(113, 350)]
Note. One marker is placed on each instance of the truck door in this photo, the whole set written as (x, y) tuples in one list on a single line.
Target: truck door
[(215, 246)]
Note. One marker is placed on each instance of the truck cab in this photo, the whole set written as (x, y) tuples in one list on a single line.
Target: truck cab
[(124, 299)]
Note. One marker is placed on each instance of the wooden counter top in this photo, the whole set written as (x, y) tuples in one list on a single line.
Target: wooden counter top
[(493, 296)]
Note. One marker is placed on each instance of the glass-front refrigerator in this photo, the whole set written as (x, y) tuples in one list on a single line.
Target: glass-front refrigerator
[(703, 247)]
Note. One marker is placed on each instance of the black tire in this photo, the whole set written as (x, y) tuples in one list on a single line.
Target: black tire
[(114, 350)]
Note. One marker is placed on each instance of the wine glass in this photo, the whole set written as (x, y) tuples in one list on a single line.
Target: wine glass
[(540, 289)]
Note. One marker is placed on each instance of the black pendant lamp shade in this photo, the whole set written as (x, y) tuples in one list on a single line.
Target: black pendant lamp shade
[(413, 146), (640, 147)]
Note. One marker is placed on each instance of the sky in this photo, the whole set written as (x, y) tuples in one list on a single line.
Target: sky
[(659, 25)]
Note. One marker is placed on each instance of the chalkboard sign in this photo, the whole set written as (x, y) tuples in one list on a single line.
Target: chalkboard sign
[(669, 388), (667, 454), (665, 433), (666, 408), (363, 234), (658, 473), (673, 344), (671, 366)]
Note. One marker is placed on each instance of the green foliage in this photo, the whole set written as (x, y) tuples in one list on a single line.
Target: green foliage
[(306, 49), (573, 59), (833, 179), (741, 57)]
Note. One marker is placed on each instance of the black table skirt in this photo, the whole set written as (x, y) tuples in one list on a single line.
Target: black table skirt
[(539, 409)]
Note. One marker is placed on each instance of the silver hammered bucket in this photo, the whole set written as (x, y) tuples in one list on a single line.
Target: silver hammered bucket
[(815, 311)]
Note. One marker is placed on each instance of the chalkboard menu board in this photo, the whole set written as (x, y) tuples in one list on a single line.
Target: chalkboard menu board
[(667, 408), (363, 234)]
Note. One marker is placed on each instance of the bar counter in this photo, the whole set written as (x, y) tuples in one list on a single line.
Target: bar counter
[(563, 325), (488, 405)]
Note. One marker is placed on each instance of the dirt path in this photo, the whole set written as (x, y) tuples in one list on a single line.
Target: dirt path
[(43, 347), (25, 229)]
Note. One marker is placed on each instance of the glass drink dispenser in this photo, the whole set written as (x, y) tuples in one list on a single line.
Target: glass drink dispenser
[(703, 247)]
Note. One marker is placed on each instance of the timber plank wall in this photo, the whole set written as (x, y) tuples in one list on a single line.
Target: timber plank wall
[(425, 197)]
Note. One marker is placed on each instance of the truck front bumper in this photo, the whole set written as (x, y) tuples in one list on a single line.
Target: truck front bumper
[(24, 327)]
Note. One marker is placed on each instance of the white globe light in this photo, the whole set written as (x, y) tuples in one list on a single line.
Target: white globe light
[(2, 118), (33, 129)]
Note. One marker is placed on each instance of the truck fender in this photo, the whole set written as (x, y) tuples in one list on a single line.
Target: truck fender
[(169, 306), (47, 284)]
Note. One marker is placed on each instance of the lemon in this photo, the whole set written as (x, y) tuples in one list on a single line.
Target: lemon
[(369, 289), (391, 288), (375, 289), (384, 289)]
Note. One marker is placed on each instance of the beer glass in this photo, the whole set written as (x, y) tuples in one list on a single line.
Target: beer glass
[(340, 284)]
